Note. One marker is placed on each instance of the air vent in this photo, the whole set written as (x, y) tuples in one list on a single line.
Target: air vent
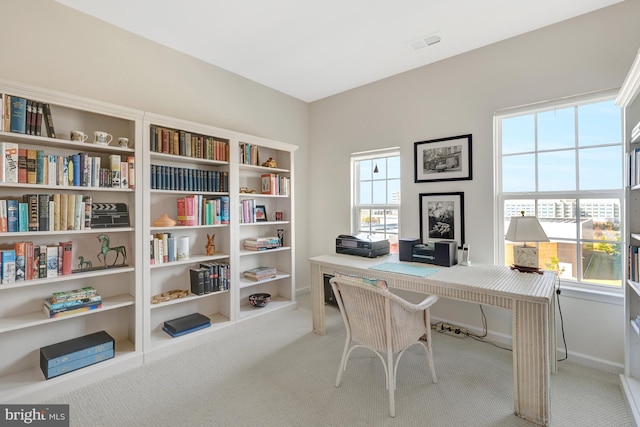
[(423, 42)]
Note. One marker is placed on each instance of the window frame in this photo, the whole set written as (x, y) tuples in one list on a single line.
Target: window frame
[(577, 287), (355, 186)]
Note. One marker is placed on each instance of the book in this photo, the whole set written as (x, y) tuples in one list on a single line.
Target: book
[(184, 323), (71, 211), (6, 108), (42, 262), (13, 216), (114, 165), (72, 295), (9, 164), (70, 311), (124, 174), (132, 171), (8, 266), (72, 303), (52, 261), (52, 169), (260, 273), (41, 170), (88, 211), (22, 165), (186, 331), (23, 217), (20, 248), (43, 212), (29, 118), (64, 206), (34, 217), (198, 276), (67, 257), (28, 260), (38, 119), (32, 166), (4, 217), (48, 120), (18, 115)]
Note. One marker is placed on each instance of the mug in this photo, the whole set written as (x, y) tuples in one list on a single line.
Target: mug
[(123, 142), (78, 136), (102, 138)]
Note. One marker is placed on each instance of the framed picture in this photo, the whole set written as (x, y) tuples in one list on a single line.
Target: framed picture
[(442, 217), (261, 213), (444, 159)]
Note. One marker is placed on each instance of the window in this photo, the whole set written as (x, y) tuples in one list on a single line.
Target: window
[(563, 162), (376, 194)]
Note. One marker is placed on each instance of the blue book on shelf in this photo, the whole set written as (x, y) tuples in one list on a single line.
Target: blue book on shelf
[(23, 217), (18, 111), (77, 171), (186, 331), (12, 216)]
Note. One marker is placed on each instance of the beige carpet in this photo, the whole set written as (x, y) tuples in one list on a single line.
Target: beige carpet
[(282, 374)]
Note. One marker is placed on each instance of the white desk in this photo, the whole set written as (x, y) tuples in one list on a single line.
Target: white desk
[(530, 297)]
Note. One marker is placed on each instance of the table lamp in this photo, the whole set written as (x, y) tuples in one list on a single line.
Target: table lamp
[(525, 229)]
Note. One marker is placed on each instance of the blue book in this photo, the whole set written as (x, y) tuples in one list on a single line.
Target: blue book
[(186, 331), (18, 115), (8, 266), (23, 217), (77, 170), (13, 219), (40, 172)]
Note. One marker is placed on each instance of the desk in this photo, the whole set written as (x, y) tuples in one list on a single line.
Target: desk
[(530, 297)]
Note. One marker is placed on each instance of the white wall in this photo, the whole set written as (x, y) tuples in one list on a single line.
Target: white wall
[(48, 45), (459, 96)]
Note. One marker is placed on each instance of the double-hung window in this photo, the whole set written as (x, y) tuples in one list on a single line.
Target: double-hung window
[(563, 162), (375, 194)]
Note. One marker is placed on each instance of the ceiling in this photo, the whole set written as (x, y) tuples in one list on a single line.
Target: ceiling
[(312, 49)]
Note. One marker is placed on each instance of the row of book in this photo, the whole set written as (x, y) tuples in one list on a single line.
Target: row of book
[(249, 154), (22, 115), (262, 243), (273, 183), (27, 166), (72, 302), (634, 263), (166, 247), (210, 277), (200, 210), (29, 261), (183, 143), (187, 179), (46, 212), (248, 211)]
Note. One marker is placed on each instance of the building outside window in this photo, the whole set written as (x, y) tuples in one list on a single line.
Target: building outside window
[(376, 194), (563, 162)]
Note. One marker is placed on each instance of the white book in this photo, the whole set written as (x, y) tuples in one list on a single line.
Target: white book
[(114, 165), (124, 175), (9, 164), (95, 176), (52, 168)]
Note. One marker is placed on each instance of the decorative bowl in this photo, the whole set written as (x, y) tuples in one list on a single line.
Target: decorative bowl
[(259, 300)]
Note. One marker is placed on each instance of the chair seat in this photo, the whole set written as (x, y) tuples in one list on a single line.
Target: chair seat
[(384, 323)]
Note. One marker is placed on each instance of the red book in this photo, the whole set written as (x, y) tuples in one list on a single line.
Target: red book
[(190, 205), (20, 248), (67, 254)]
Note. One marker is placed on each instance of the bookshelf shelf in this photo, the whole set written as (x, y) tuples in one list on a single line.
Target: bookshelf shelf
[(193, 259), (246, 283)]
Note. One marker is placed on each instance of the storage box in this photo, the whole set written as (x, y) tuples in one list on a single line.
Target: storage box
[(66, 356)]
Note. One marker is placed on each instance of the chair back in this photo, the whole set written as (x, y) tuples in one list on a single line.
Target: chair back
[(378, 318)]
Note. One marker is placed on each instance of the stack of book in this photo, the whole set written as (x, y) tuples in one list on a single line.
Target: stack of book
[(72, 302), (261, 243), (186, 324), (260, 273)]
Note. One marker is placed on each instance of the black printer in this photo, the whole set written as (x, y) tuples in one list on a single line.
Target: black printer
[(362, 245)]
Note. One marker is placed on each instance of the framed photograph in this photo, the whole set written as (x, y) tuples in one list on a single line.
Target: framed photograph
[(261, 213), (444, 159), (442, 217)]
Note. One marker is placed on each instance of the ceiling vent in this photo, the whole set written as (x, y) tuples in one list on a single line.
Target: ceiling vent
[(423, 42)]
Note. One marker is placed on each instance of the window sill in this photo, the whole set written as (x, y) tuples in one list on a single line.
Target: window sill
[(571, 290)]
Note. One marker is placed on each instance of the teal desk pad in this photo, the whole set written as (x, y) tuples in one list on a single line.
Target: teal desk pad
[(408, 269)]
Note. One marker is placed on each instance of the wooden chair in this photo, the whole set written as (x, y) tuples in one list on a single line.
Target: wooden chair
[(384, 323)]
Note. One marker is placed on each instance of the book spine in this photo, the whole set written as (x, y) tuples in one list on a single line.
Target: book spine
[(23, 217), (41, 172), (13, 216), (8, 266), (18, 115), (51, 261), (28, 258), (114, 165), (132, 171), (9, 166), (48, 120), (43, 212), (67, 257), (32, 166), (20, 249), (22, 165), (34, 217)]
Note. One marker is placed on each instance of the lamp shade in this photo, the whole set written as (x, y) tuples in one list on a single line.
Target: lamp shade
[(525, 229)]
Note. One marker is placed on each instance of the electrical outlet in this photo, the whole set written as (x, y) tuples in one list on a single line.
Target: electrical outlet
[(453, 330)]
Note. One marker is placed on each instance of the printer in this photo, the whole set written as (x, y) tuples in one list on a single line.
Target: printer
[(442, 252), (362, 245)]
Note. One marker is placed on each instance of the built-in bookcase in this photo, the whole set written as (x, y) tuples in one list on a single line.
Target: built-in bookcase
[(630, 102), (24, 327), (210, 169)]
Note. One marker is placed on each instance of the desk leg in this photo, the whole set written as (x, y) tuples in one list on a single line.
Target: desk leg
[(531, 365), (317, 299)]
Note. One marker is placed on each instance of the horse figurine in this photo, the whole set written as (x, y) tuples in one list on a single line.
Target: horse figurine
[(120, 250), (84, 265), (211, 247)]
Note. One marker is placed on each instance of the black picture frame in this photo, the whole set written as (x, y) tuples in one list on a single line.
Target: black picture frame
[(442, 217), (443, 159), (261, 213)]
